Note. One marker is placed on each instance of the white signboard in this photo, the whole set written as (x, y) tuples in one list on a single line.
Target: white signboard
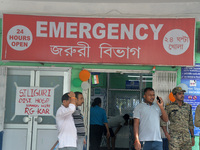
[(34, 101)]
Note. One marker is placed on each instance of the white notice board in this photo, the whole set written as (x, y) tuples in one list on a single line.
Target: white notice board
[(34, 101)]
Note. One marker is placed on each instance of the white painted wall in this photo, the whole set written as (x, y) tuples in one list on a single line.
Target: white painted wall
[(103, 8)]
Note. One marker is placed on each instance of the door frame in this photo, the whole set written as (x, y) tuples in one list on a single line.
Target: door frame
[(112, 71), (89, 92)]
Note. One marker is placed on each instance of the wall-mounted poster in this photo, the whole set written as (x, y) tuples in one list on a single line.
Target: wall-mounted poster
[(34, 101), (191, 77)]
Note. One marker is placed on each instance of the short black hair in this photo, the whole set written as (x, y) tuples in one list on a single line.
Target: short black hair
[(96, 101), (77, 93), (126, 117), (148, 89), (65, 97)]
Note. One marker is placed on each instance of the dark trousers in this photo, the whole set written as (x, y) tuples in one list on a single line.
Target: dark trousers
[(165, 144), (96, 132), (1, 139)]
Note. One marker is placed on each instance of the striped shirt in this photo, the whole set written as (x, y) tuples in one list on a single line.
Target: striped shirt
[(78, 120)]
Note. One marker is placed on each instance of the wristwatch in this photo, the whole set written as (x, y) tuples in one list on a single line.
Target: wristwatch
[(192, 136)]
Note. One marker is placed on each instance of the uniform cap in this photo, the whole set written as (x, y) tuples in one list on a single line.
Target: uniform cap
[(177, 90)]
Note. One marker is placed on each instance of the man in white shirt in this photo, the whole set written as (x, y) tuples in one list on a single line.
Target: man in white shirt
[(67, 136)]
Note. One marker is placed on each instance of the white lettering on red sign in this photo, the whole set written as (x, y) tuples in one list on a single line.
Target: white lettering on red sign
[(19, 37), (138, 41), (98, 30), (176, 42)]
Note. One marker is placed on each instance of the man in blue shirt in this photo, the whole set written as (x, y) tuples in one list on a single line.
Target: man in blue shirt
[(97, 121)]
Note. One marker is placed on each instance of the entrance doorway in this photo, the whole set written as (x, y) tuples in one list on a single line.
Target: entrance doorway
[(122, 90), (120, 93), (26, 131)]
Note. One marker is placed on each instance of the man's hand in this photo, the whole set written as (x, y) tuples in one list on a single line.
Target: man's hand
[(73, 99), (137, 145), (193, 141), (167, 136), (71, 94), (161, 102), (84, 142), (108, 134)]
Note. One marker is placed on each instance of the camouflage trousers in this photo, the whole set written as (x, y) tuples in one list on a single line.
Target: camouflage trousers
[(180, 141)]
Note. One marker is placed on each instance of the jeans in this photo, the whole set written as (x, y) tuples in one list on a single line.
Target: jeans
[(152, 145)]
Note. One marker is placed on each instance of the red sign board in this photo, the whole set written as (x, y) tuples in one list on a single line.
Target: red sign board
[(141, 41)]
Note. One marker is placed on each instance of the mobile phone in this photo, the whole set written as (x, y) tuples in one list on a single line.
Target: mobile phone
[(158, 99)]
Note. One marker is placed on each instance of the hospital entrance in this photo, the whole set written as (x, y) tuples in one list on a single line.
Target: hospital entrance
[(120, 93), (119, 90)]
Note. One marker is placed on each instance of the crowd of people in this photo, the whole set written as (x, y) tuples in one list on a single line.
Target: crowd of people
[(175, 119)]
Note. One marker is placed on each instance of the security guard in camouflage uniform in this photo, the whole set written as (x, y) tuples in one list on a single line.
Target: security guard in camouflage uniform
[(181, 122)]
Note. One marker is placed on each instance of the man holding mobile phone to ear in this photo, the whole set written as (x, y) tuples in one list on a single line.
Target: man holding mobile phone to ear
[(147, 122)]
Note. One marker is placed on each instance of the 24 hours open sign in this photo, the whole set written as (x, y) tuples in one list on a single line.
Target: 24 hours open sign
[(141, 41)]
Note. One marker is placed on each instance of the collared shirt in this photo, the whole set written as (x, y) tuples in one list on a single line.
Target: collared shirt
[(97, 116), (180, 117), (79, 123), (116, 121), (149, 127), (67, 135)]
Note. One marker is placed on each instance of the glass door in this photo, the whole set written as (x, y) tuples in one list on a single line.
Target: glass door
[(15, 129), (37, 131), (44, 129), (125, 91)]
